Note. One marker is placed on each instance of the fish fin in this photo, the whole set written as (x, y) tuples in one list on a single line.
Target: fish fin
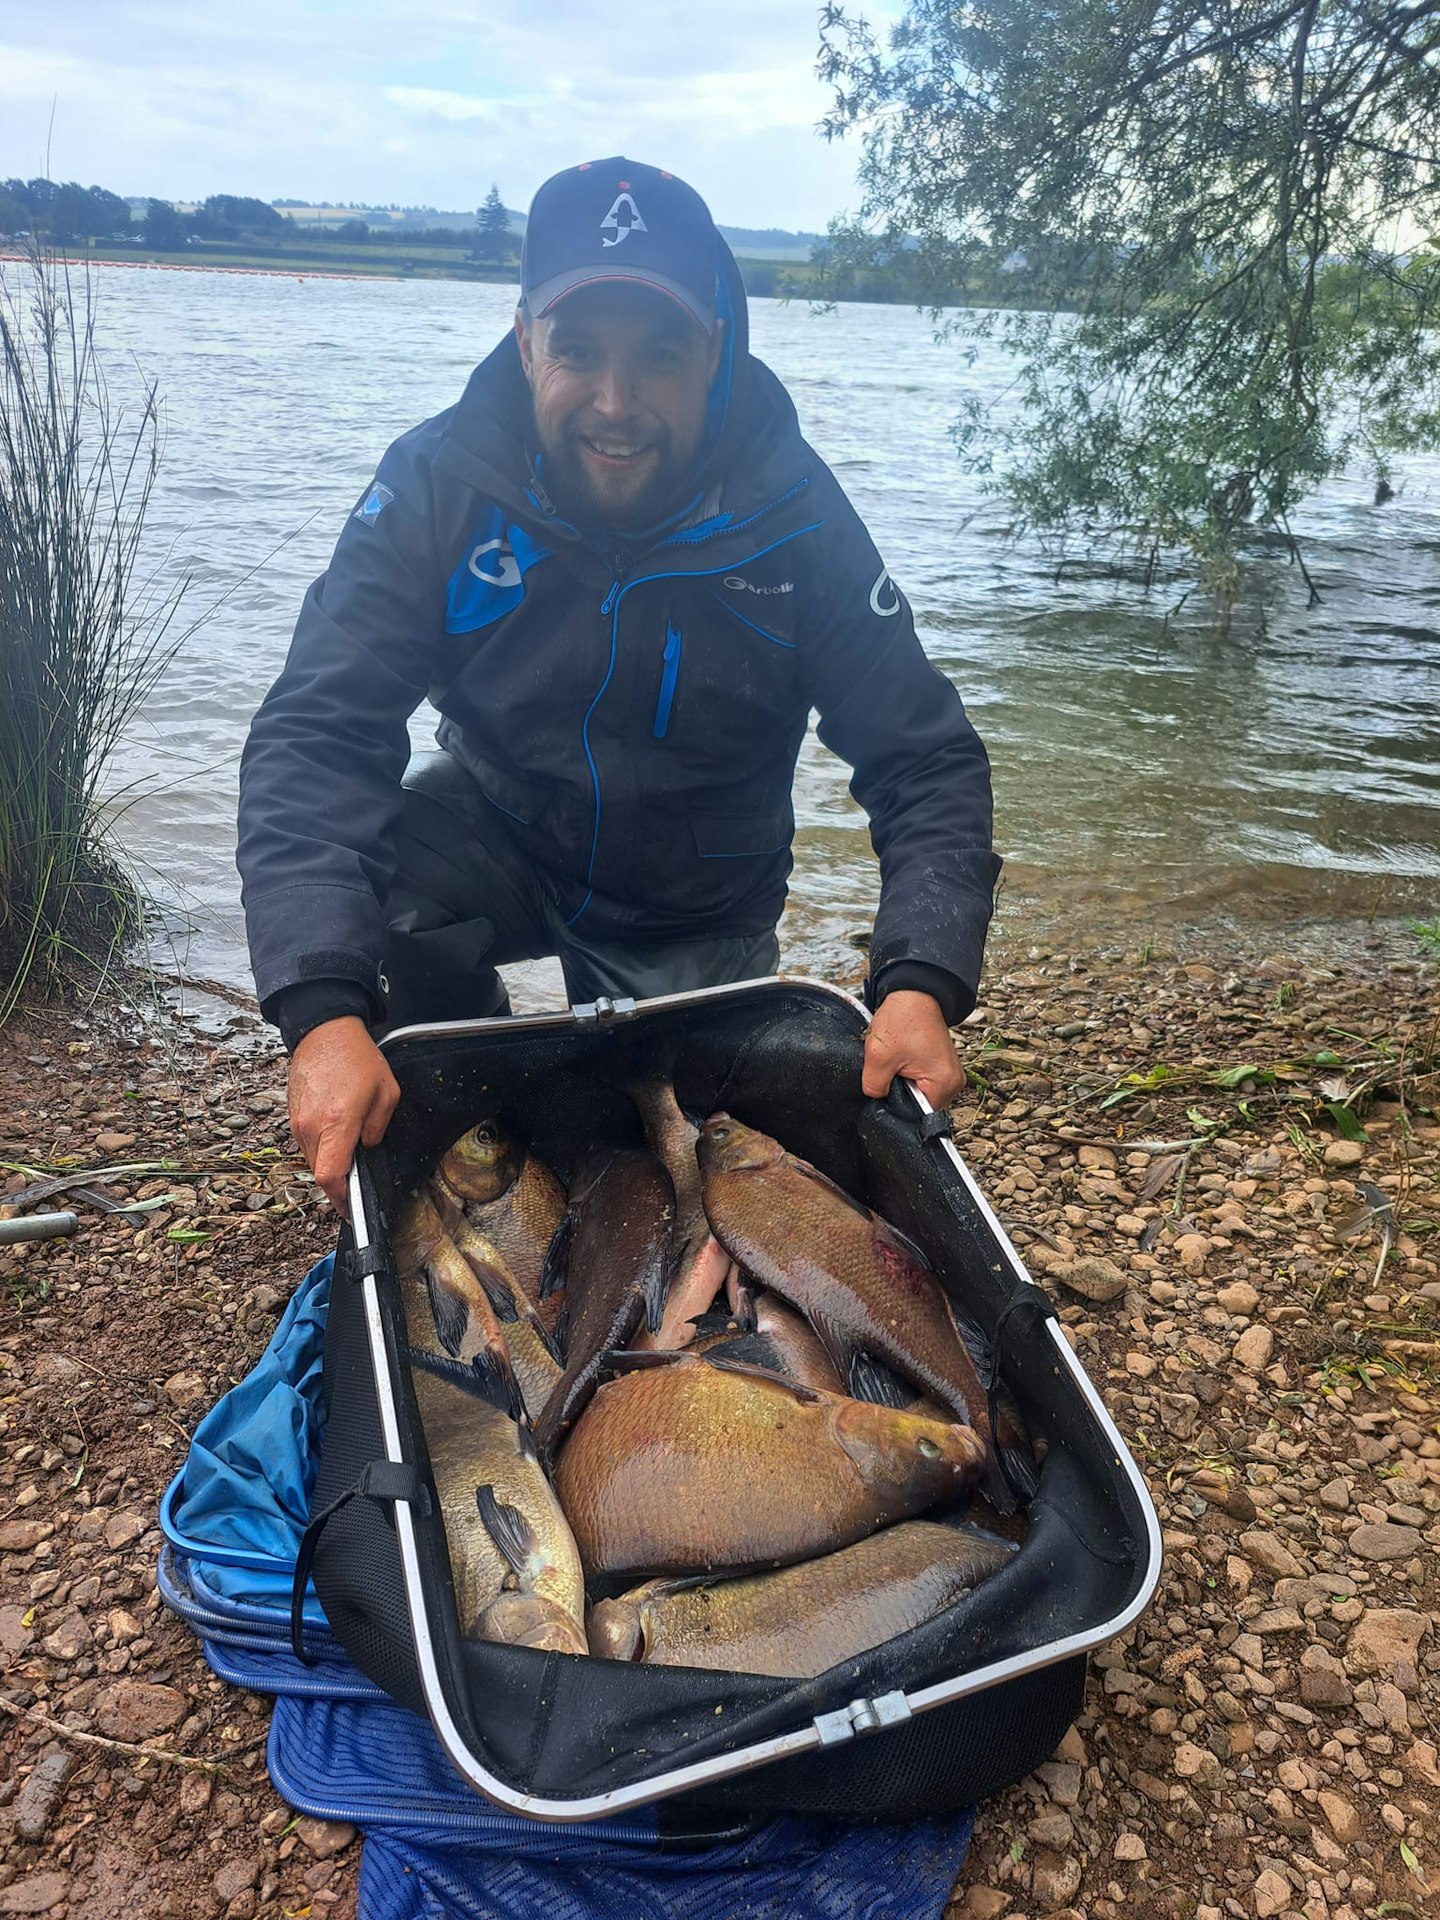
[(445, 1200), (548, 1340), (657, 1287), (464, 1374), (824, 1180), (557, 1256), (837, 1345), (756, 1348), (870, 1379), (747, 1368), (714, 1320), (561, 1331), (450, 1314), (995, 1485), (507, 1527), (1019, 1468), (637, 1359), (497, 1286), (497, 1383)]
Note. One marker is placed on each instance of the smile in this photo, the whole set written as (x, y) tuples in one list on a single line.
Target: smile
[(615, 452)]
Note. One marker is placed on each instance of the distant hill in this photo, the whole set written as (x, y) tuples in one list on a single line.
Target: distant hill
[(756, 243)]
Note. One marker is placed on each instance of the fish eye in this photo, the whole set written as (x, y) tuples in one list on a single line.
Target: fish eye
[(929, 1449)]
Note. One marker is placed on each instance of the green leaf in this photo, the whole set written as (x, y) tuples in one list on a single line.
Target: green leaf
[(1230, 1077), (1345, 1120), (1408, 1855), (1325, 1058), (186, 1236)]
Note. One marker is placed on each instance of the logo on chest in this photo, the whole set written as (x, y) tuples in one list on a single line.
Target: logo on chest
[(739, 583)]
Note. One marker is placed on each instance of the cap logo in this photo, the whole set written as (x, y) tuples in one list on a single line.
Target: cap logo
[(624, 218)]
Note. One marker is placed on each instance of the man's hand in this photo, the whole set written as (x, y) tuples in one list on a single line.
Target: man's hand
[(341, 1092), (908, 1035)]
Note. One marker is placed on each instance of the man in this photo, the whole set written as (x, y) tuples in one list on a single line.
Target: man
[(624, 580)]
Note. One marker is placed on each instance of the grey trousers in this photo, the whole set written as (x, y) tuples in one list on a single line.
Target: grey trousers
[(465, 901)]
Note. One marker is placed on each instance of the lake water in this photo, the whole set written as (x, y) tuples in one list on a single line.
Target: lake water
[(1148, 771)]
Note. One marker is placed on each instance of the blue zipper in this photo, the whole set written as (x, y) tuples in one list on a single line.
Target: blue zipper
[(674, 640), (611, 605)]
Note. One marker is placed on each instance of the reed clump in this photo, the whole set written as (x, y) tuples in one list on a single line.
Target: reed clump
[(83, 638)]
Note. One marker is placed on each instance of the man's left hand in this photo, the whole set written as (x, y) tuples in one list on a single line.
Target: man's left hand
[(908, 1035)]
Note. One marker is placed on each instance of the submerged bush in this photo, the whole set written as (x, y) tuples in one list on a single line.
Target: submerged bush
[(82, 639)]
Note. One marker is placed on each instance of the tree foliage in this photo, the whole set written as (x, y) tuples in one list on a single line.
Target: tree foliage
[(62, 211), (1234, 201), (493, 239)]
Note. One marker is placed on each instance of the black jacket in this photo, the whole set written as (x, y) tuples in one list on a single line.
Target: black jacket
[(636, 716)]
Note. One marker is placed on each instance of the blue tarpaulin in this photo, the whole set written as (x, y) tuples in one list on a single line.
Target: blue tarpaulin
[(435, 1849)]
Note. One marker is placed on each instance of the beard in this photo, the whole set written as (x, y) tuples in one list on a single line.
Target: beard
[(602, 502)]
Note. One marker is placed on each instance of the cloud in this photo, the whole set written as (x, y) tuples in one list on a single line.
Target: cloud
[(421, 101)]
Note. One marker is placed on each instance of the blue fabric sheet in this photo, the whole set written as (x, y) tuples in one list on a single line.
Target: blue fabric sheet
[(435, 1849)]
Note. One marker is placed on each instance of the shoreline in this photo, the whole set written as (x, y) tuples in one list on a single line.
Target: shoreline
[(1263, 1736)]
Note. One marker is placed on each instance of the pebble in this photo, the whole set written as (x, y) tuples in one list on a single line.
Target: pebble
[(1272, 1894), (1340, 1816), (139, 1710), (184, 1389), (40, 1797), (236, 1877), (1095, 1279), (324, 1837), (1344, 1153), (36, 1893), (114, 1142), (1335, 1495), (1383, 1638), (1054, 1878), (1129, 1846), (1271, 1555), (1239, 1298), (1253, 1349)]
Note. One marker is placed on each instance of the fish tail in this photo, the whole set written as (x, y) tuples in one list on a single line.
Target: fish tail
[(1018, 1465), (996, 1485)]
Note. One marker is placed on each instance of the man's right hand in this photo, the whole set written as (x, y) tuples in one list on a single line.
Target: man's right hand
[(341, 1092)]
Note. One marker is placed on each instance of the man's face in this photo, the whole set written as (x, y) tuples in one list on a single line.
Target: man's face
[(618, 375)]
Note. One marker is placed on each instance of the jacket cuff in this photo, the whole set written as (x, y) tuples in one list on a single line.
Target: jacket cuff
[(917, 976), (299, 1009)]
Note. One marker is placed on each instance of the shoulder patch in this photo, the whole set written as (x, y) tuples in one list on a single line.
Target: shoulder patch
[(374, 503)]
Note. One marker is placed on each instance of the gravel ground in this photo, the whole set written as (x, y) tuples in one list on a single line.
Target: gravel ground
[(1206, 1156)]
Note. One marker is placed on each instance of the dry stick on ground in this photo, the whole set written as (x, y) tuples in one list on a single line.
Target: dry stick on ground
[(127, 1749)]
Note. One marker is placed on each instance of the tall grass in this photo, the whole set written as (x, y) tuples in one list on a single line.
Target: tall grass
[(83, 639)]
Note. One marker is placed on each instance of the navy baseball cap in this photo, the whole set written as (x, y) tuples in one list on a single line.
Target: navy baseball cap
[(620, 220)]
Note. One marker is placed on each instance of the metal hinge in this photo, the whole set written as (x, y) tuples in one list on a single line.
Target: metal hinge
[(603, 1011), (862, 1716)]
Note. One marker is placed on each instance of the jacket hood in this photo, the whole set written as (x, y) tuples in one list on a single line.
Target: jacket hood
[(747, 413)]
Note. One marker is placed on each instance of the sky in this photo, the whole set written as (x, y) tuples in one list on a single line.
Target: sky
[(423, 102)]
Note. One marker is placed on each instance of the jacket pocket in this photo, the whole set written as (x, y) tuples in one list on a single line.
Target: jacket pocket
[(674, 641), (741, 836)]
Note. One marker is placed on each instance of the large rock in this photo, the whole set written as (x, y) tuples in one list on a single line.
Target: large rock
[(1382, 1638), (1272, 1894), (1239, 1298), (1385, 1542), (40, 1797), (22, 1536), (139, 1710), (1054, 1878)]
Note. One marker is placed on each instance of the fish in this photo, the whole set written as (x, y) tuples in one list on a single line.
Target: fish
[(688, 1463), (799, 1622), (698, 1282), (446, 1308), (513, 1557), (860, 1283), (512, 1197), (779, 1341), (533, 1351), (613, 1254), (703, 1269)]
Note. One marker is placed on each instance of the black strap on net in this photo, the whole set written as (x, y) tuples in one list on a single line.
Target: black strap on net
[(381, 1480)]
